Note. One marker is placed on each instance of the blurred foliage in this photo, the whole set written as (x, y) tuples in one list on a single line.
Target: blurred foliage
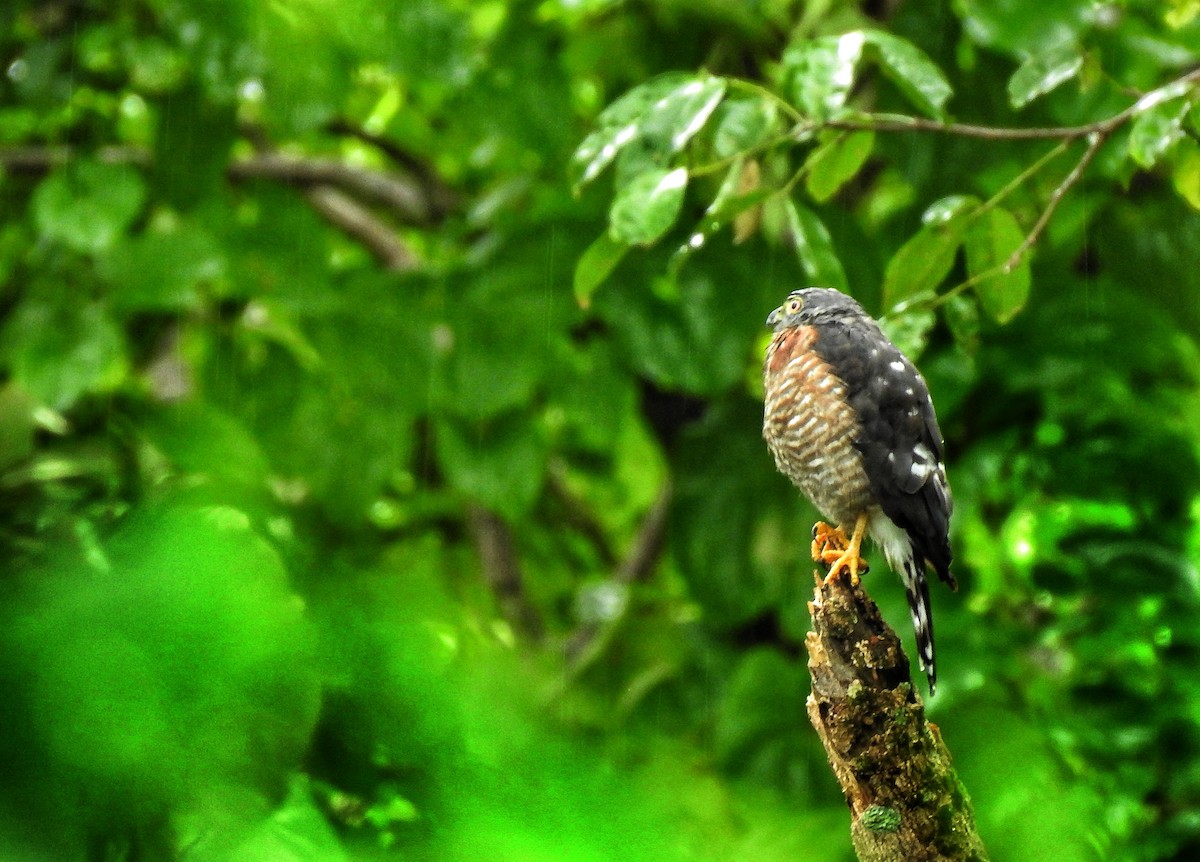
[(367, 493)]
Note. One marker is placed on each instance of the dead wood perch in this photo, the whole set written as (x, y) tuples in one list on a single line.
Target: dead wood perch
[(906, 803)]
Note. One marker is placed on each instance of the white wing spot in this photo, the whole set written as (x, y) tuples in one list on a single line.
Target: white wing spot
[(896, 365)]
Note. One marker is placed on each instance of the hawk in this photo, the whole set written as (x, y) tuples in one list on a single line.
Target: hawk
[(849, 420)]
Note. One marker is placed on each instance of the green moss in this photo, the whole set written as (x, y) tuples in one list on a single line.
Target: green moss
[(880, 818)]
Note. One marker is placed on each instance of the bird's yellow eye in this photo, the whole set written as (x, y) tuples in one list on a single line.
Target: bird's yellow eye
[(794, 305)]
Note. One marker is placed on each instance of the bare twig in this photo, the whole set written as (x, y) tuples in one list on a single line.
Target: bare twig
[(335, 190), (441, 198), (576, 515), (403, 199), (1105, 127), (498, 558), (905, 800), (588, 641), (648, 544), (349, 215), (39, 159), (1094, 143)]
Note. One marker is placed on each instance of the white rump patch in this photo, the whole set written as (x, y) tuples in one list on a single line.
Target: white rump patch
[(892, 540)]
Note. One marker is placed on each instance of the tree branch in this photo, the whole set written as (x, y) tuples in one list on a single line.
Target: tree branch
[(1076, 174), (334, 189), (344, 212), (498, 558), (440, 197), (1105, 127), (402, 198), (590, 639), (905, 800)]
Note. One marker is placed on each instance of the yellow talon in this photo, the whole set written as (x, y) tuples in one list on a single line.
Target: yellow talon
[(830, 546)]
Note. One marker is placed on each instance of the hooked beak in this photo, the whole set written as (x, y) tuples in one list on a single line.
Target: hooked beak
[(775, 316)]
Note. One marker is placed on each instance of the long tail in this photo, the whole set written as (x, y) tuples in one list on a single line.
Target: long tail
[(916, 587)]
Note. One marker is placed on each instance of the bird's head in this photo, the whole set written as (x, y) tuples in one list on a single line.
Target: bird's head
[(813, 305)]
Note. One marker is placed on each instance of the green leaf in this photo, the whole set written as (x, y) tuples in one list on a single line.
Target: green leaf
[(948, 209), (17, 425), (990, 243), (87, 205), (1024, 27), (961, 313), (910, 329), (595, 265), (192, 141), (835, 162), (200, 440), (162, 271), (742, 124), (917, 76), (646, 207), (499, 463), (61, 350), (1185, 173), (297, 831), (1182, 13), (1041, 73), (921, 263), (751, 734), (678, 333), (1156, 131), (661, 116), (814, 246), (715, 539), (817, 74)]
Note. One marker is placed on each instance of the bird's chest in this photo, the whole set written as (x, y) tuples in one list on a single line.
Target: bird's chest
[(810, 426)]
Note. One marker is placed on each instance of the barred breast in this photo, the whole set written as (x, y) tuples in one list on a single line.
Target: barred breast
[(810, 427)]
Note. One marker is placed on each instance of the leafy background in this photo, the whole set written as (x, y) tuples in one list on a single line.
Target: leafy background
[(380, 469)]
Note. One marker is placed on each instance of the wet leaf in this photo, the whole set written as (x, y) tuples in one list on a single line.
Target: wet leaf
[(961, 313), (162, 271), (921, 263), (817, 74), (59, 351), (645, 208), (990, 243), (1156, 130), (814, 246), (661, 115), (736, 197), (944, 210), (910, 329), (742, 124), (835, 163), (1041, 73), (595, 265), (917, 76)]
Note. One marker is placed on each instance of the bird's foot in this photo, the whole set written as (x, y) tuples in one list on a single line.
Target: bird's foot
[(826, 539), (831, 547)]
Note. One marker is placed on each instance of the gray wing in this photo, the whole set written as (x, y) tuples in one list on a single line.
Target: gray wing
[(899, 438)]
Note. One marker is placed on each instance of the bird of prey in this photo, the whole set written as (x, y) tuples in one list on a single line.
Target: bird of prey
[(849, 420)]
